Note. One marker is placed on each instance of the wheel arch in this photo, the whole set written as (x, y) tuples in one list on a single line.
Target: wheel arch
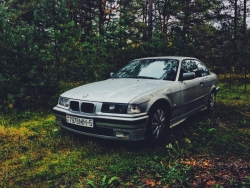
[(213, 90), (165, 106), (161, 102)]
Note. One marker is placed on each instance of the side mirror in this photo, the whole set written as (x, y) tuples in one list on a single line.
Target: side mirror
[(188, 76), (112, 74)]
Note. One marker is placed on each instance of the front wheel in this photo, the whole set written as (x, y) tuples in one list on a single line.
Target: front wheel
[(211, 102), (157, 124)]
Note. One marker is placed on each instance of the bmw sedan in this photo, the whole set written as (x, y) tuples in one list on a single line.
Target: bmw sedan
[(140, 101)]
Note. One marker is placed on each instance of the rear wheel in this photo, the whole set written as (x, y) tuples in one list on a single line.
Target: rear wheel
[(211, 102), (157, 124)]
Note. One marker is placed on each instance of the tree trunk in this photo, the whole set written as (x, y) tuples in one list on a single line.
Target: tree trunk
[(164, 14), (144, 18), (150, 26), (245, 42), (101, 16), (235, 29), (185, 21)]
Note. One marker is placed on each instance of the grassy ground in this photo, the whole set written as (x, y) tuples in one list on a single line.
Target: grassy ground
[(207, 150)]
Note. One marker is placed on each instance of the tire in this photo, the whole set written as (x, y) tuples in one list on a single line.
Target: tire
[(211, 102), (157, 124)]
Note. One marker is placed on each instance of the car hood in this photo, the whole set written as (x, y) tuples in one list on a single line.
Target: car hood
[(114, 90)]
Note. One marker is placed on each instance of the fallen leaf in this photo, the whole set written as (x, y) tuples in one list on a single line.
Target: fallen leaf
[(158, 182), (99, 168), (205, 163), (158, 176), (150, 182), (190, 163), (211, 182)]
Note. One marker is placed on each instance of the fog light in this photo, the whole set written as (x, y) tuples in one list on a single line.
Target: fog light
[(122, 134)]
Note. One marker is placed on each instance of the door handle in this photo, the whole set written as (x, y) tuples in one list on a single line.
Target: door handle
[(201, 83)]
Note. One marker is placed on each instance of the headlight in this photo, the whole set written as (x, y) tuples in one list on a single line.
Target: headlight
[(114, 108), (63, 101), (120, 108), (133, 109)]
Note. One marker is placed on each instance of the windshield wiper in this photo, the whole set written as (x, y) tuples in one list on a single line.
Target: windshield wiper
[(143, 77), (146, 77)]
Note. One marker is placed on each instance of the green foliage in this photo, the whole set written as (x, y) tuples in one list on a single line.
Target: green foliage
[(34, 151), (44, 43), (105, 183)]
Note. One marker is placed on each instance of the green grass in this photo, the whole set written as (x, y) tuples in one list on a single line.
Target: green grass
[(34, 152)]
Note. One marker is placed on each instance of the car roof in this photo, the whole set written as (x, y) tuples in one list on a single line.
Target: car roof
[(169, 57)]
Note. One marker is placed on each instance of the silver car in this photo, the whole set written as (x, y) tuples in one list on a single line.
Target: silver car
[(140, 101)]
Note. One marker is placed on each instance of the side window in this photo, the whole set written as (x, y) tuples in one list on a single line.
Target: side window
[(202, 68), (190, 66)]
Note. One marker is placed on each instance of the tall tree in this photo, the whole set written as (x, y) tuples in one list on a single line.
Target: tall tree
[(105, 11), (186, 19), (245, 39), (150, 24), (235, 29)]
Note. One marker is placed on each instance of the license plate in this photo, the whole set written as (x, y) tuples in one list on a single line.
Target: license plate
[(80, 121)]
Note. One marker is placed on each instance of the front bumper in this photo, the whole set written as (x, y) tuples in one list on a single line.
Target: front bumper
[(123, 127)]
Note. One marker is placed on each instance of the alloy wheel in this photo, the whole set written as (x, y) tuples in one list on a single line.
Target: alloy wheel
[(211, 103), (158, 124)]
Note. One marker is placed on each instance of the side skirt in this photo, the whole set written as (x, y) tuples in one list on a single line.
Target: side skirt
[(178, 120)]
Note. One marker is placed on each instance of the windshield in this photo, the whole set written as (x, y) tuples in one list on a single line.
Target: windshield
[(164, 69)]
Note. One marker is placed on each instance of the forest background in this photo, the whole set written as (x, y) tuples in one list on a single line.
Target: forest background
[(50, 46), (47, 46)]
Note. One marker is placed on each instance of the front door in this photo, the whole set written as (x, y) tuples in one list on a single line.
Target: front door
[(191, 90)]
